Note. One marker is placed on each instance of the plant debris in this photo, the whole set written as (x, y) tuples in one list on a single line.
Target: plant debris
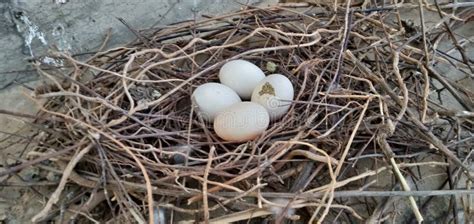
[(122, 128)]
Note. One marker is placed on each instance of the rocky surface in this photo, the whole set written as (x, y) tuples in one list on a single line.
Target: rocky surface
[(31, 27)]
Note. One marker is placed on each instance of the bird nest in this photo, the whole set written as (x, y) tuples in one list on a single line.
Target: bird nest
[(132, 147)]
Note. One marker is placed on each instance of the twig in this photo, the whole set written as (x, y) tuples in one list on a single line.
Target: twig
[(351, 138), (356, 193), (382, 140), (423, 33), (204, 186), (421, 129), (454, 39), (144, 171), (136, 33), (468, 106), (132, 102), (57, 193), (239, 216), (40, 159)]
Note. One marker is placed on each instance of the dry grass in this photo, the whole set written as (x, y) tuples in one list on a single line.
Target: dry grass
[(123, 129)]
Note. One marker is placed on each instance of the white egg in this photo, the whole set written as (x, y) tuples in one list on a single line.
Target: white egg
[(212, 98), (242, 76), (241, 122), (274, 93)]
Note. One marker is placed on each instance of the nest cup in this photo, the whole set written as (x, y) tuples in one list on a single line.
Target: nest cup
[(121, 119)]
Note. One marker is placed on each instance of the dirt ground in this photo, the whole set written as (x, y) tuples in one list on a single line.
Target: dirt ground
[(18, 204)]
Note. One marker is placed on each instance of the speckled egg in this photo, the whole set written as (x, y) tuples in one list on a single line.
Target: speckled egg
[(274, 93)]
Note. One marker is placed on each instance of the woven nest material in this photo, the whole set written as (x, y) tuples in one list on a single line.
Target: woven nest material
[(122, 130)]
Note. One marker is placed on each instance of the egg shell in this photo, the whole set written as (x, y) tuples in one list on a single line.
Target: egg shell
[(274, 93), (242, 76), (212, 98), (241, 122)]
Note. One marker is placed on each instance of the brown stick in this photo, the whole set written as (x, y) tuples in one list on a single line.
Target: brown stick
[(382, 141), (40, 159), (420, 127), (57, 193)]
